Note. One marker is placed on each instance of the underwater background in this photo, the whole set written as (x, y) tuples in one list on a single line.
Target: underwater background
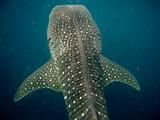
[(130, 36)]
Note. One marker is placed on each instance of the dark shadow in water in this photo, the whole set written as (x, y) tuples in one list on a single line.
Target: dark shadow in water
[(2, 2), (155, 3), (3, 115)]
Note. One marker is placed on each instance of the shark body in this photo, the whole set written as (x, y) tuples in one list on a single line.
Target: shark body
[(76, 68)]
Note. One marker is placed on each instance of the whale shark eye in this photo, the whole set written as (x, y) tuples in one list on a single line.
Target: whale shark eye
[(51, 42), (49, 39)]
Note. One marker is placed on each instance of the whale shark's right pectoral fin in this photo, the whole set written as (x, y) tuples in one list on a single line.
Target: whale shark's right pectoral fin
[(112, 72), (44, 77)]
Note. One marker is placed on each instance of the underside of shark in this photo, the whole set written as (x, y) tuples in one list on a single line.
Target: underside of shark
[(76, 67)]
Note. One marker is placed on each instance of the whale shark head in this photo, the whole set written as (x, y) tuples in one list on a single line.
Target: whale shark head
[(67, 23)]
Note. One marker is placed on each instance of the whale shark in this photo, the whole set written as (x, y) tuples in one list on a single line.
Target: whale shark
[(76, 67)]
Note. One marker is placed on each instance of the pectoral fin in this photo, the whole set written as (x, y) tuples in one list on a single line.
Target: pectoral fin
[(113, 72), (44, 77)]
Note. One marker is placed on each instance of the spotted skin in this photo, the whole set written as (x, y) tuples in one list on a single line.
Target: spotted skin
[(44, 77), (113, 72), (80, 71)]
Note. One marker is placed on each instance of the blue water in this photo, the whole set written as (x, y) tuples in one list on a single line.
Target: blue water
[(130, 36)]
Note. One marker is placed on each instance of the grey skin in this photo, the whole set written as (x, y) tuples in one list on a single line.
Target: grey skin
[(76, 67)]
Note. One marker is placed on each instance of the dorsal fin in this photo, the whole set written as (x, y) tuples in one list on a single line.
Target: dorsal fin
[(44, 77), (113, 72)]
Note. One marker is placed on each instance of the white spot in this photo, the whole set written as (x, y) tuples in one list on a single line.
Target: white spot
[(65, 97), (82, 114), (69, 105), (69, 67), (99, 113), (74, 110)]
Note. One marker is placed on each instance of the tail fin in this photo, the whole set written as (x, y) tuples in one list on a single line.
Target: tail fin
[(44, 77)]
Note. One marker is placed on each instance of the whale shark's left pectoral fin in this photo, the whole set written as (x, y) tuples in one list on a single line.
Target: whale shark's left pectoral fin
[(113, 72), (44, 77)]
